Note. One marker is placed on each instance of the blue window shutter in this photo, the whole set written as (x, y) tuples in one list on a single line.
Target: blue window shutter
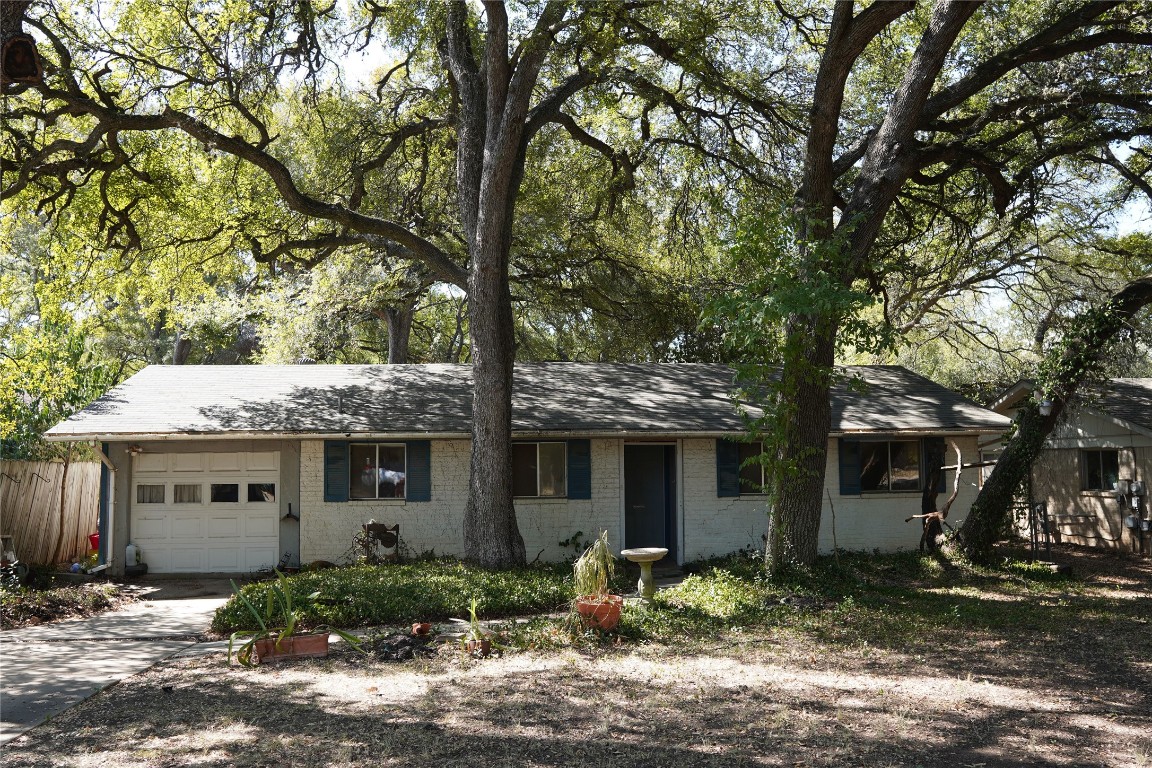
[(849, 467), (727, 468), (335, 470), (579, 469), (418, 485)]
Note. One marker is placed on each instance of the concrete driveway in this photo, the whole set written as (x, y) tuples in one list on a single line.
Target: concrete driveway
[(48, 668)]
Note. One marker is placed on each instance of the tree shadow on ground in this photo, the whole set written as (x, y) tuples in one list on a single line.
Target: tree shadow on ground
[(612, 711)]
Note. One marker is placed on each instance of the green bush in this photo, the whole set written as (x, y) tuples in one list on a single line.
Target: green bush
[(429, 590)]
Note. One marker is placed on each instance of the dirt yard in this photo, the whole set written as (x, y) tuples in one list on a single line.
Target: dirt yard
[(1065, 679)]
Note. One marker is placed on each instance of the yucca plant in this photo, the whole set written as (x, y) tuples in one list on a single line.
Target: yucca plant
[(278, 605)]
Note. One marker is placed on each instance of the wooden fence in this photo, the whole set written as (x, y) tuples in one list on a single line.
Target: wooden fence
[(45, 529)]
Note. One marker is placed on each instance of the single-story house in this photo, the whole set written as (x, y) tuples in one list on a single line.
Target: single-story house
[(1105, 436), (230, 468)]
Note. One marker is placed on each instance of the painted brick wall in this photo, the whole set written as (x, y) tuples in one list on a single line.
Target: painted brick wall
[(326, 529), (876, 520), (712, 525), (709, 525), (545, 522)]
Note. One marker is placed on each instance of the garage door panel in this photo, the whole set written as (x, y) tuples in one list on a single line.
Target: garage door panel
[(223, 462), (187, 559), (259, 557), (188, 462), (261, 525), (185, 527), (223, 527), (150, 462), (187, 533), (151, 526), (224, 559), (262, 462)]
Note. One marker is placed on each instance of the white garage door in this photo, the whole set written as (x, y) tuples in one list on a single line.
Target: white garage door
[(206, 512)]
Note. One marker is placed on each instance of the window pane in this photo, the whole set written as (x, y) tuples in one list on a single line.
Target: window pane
[(391, 472), (362, 466), (225, 492), (751, 476), (150, 494), (186, 493), (905, 465), (873, 466), (524, 469), (1110, 466), (1092, 477), (553, 469), (261, 492), (1101, 470)]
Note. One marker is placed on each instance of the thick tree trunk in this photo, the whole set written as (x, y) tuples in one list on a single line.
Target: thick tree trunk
[(399, 323), (181, 349), (1076, 359), (491, 535), (886, 166), (797, 484), (492, 138)]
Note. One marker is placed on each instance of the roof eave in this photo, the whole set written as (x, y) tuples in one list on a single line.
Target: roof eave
[(139, 437)]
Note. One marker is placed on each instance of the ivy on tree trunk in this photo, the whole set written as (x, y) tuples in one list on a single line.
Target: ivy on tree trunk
[(1076, 359)]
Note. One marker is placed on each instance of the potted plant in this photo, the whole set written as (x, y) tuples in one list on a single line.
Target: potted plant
[(476, 641), (592, 572), (272, 642)]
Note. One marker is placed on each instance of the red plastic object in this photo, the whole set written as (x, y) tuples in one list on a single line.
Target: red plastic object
[(94, 540)]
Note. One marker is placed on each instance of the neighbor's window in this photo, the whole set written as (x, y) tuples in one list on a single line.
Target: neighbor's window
[(149, 494), (377, 471), (1101, 469), (751, 474), (893, 465), (540, 469)]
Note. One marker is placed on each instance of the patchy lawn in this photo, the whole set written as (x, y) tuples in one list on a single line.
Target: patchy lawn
[(880, 662)]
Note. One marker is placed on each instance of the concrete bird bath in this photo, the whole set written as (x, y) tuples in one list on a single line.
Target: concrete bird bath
[(645, 556)]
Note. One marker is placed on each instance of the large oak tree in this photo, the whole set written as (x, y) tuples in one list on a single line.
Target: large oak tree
[(219, 76), (917, 119)]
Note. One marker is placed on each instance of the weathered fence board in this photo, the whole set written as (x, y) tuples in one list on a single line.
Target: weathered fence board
[(44, 529)]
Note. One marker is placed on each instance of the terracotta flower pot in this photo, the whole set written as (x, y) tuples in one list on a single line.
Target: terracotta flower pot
[(482, 647), (600, 611), (295, 647), (422, 628)]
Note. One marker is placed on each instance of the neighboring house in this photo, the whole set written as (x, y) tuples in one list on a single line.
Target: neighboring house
[(1105, 436), (227, 468)]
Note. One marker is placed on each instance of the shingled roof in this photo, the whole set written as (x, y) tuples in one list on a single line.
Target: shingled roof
[(588, 399), (1129, 400)]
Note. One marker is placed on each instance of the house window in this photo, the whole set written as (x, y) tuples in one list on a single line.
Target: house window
[(149, 494), (751, 470), (892, 465), (186, 493), (540, 469), (261, 492), (376, 470), (1101, 469), (225, 493)]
